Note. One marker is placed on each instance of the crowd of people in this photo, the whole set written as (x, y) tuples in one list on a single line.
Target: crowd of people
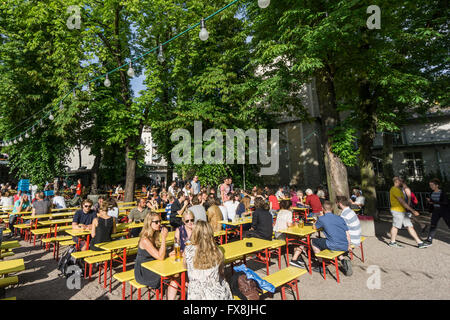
[(196, 212)]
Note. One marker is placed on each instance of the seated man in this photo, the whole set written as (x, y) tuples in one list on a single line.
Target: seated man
[(337, 239), (82, 220)]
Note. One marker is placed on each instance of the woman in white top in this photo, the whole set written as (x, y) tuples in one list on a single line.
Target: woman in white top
[(231, 204), (187, 189), (284, 219)]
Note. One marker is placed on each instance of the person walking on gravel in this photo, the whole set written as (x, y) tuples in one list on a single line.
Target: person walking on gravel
[(400, 217)]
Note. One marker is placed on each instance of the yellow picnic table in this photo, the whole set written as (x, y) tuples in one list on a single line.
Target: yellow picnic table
[(80, 233), (167, 268), (297, 232), (239, 224), (10, 266), (239, 248)]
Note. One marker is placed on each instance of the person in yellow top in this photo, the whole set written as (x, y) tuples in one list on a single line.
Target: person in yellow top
[(400, 215)]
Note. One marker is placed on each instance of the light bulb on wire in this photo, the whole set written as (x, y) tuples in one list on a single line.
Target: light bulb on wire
[(50, 117), (263, 3), (107, 82), (27, 135), (204, 35), (130, 71), (20, 139), (61, 106), (161, 54)]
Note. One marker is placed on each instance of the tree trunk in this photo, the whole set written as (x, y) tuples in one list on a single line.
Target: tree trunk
[(336, 171), (388, 157), (130, 176), (368, 131), (79, 156), (94, 177)]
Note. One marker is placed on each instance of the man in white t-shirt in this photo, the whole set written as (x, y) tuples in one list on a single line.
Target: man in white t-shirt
[(58, 201)]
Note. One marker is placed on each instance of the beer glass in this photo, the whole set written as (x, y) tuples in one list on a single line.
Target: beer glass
[(177, 252)]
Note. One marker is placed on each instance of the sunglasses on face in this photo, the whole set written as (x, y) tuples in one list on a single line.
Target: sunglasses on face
[(189, 220), (156, 221), (87, 206)]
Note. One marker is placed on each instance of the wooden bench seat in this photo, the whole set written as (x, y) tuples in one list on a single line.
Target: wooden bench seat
[(360, 247), (287, 276), (139, 287), (4, 282), (124, 277), (332, 257), (7, 245), (56, 239)]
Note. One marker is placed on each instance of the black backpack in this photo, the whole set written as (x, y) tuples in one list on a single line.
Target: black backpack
[(67, 260)]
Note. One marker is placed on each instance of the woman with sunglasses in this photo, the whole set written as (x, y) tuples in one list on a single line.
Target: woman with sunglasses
[(204, 263), (184, 232), (152, 246)]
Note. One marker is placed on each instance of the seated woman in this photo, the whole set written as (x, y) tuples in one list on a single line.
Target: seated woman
[(152, 246), (243, 208), (261, 221), (214, 214), (284, 219), (184, 232), (204, 263), (102, 227)]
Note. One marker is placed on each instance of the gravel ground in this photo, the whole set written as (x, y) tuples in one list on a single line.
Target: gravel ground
[(408, 273)]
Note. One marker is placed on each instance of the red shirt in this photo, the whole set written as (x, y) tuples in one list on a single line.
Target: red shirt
[(314, 202), (79, 189), (275, 203)]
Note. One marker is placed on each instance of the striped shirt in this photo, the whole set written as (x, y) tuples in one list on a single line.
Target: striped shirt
[(352, 221), (435, 197)]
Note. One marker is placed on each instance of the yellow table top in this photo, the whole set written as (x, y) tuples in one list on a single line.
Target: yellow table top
[(52, 222), (296, 208), (166, 267), (159, 210), (238, 248), (245, 221), (11, 266), (130, 243), (50, 215), (132, 225), (76, 233), (297, 231)]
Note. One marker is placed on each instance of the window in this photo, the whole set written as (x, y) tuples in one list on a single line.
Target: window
[(414, 165)]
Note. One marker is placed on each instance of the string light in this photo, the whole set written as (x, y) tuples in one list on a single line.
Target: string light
[(107, 82), (27, 135), (263, 3), (51, 117), (161, 54), (61, 106), (204, 34), (20, 139), (130, 71)]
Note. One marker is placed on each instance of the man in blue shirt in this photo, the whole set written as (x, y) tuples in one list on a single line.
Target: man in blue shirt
[(337, 238), (82, 220)]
